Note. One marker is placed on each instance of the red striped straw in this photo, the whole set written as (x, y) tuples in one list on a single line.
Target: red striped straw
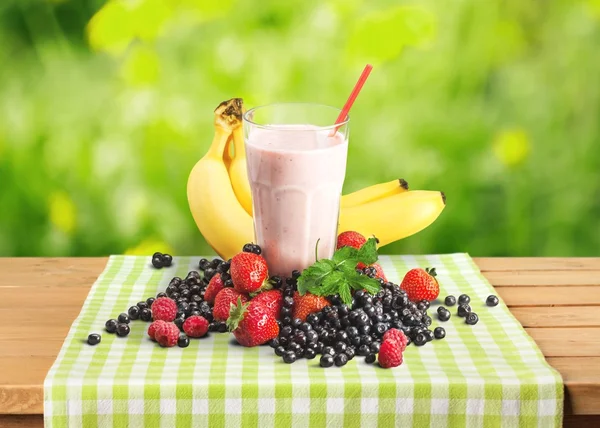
[(344, 113)]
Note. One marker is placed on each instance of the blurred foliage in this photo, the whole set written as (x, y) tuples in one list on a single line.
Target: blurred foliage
[(105, 107)]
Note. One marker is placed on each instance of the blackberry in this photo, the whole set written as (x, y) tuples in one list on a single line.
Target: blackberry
[(289, 357), (157, 260), (309, 354), (133, 312), (183, 341), (439, 332), (463, 310), (464, 299), (420, 339), (123, 330), (472, 318), (279, 351), (167, 260), (146, 315), (370, 359), (274, 343), (326, 360), (94, 339), (123, 318), (443, 315), (450, 300), (111, 325), (340, 359), (492, 300)]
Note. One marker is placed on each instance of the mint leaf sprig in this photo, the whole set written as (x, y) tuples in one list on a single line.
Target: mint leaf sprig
[(338, 275)]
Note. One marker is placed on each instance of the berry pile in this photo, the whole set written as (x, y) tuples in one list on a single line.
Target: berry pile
[(160, 260)]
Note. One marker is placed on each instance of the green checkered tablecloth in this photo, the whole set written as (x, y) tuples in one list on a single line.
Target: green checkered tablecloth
[(491, 374)]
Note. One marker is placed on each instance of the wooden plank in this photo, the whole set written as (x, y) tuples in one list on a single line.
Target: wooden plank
[(21, 385), (22, 421), (558, 316), (550, 296), (548, 278), (571, 421), (581, 376), (537, 263), (25, 271), (567, 342)]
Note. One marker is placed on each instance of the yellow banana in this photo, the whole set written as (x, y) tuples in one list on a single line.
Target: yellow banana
[(217, 213), (372, 193), (238, 173), (394, 217)]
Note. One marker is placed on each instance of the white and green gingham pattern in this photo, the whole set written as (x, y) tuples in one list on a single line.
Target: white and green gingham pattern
[(491, 374)]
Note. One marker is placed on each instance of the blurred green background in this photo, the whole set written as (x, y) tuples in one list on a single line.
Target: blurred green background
[(106, 106)]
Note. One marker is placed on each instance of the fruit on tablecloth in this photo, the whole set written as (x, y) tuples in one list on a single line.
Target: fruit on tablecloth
[(421, 284), (123, 318), (152, 328), (134, 312), (464, 299), (220, 199), (472, 318), (146, 315), (214, 286), (160, 260), (492, 300), (94, 339), (398, 336), (450, 301), (326, 360), (463, 310), (249, 272), (272, 299), (443, 314), (166, 334), (164, 309), (420, 339), (195, 326), (123, 329), (252, 323), (111, 325), (390, 354), (439, 332), (225, 298), (183, 341)]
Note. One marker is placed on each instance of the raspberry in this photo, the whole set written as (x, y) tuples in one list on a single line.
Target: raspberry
[(398, 336), (164, 309), (390, 354), (167, 334), (153, 327), (195, 326)]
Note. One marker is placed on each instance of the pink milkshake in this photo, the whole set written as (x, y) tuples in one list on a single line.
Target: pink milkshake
[(296, 173)]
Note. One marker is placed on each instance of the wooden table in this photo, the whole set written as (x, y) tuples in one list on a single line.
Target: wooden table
[(557, 301)]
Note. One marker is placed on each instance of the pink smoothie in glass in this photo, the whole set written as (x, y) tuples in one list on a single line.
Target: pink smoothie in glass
[(296, 174)]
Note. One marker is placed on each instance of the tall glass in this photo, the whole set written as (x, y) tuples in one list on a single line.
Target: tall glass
[(296, 167)]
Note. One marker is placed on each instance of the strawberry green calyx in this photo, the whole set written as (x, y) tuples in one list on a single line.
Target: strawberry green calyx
[(236, 314), (431, 271)]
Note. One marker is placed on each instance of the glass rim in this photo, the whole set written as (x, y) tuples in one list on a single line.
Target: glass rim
[(278, 126)]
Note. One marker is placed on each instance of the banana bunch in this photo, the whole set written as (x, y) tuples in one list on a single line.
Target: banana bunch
[(221, 201)]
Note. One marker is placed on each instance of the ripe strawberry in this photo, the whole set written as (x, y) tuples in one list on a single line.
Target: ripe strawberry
[(272, 299), (350, 239), (252, 323), (153, 327), (223, 302), (398, 336), (307, 304), (390, 354), (164, 309), (421, 284), (167, 334), (214, 286), (195, 326), (249, 272)]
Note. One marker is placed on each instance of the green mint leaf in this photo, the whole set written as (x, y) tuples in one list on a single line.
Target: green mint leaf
[(345, 294), (368, 252), (344, 254), (331, 283), (363, 282), (312, 276)]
